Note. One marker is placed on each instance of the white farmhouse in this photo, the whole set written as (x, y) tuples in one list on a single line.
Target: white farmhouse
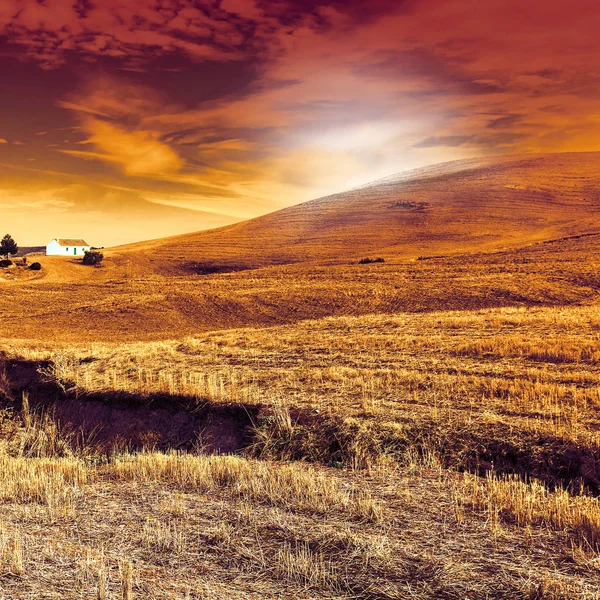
[(68, 247)]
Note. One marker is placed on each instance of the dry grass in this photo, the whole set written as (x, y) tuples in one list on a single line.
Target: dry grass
[(49, 482), (155, 525), (404, 368), (174, 526), (369, 387), (390, 390), (398, 394), (531, 503), (11, 552), (288, 485)]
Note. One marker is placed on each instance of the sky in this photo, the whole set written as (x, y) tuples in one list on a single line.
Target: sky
[(128, 120)]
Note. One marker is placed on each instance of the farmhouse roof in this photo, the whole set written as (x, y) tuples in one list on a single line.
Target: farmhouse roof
[(72, 242)]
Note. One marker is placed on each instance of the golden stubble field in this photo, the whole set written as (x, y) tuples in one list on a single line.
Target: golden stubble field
[(177, 424), (465, 463)]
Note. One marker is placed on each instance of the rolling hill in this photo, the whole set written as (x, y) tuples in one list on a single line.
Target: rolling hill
[(470, 205), (481, 224)]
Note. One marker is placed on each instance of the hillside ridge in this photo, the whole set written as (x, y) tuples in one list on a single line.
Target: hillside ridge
[(460, 206)]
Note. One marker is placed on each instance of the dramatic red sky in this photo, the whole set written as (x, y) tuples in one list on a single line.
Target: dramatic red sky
[(113, 112)]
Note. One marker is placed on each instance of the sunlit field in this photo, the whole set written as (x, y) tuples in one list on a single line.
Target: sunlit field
[(386, 455), (299, 300), (411, 427)]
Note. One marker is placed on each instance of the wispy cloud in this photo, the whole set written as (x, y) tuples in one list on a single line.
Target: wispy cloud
[(137, 152)]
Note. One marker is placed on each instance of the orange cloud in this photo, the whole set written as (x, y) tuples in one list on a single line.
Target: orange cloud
[(137, 152)]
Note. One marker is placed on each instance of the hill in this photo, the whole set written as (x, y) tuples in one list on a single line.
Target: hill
[(472, 205), (413, 428), (480, 224)]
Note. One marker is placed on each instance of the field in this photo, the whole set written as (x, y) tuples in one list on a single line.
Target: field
[(425, 427), (412, 400)]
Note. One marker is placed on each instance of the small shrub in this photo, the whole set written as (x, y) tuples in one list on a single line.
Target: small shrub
[(5, 263), (35, 266), (93, 257), (368, 261)]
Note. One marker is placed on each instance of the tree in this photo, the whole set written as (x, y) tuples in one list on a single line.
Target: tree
[(8, 246), (93, 257)]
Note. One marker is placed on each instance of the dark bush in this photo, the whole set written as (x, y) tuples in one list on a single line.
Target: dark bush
[(35, 266), (368, 261), (211, 268), (5, 263), (93, 257)]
